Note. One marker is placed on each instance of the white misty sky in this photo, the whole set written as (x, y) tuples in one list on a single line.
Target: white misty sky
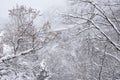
[(41, 5)]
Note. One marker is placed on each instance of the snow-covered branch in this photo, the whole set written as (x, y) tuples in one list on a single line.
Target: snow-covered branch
[(108, 54), (101, 31), (104, 14)]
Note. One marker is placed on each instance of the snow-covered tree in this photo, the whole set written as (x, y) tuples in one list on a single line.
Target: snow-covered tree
[(25, 40), (98, 23)]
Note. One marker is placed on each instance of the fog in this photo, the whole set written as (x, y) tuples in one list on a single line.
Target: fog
[(41, 5)]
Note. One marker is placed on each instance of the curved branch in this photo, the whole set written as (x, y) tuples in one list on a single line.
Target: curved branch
[(106, 17)]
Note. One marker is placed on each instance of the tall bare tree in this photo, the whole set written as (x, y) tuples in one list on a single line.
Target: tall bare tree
[(22, 34)]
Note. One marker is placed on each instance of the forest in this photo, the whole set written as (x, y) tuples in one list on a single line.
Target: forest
[(85, 47)]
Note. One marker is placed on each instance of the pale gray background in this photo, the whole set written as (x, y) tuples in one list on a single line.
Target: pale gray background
[(41, 5)]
